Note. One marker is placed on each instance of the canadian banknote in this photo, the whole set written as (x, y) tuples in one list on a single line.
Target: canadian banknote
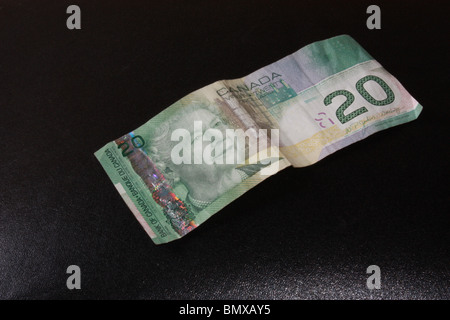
[(297, 110)]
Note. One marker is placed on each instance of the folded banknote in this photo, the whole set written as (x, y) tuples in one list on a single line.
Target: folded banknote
[(207, 149)]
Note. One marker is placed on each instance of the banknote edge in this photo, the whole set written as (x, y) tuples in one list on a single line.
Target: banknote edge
[(105, 164)]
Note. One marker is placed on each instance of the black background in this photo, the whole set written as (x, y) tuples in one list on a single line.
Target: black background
[(304, 233)]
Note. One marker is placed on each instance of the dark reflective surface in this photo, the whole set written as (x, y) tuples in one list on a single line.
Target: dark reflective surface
[(304, 233)]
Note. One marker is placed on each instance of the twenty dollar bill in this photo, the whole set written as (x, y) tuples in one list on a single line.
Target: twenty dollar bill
[(210, 147)]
